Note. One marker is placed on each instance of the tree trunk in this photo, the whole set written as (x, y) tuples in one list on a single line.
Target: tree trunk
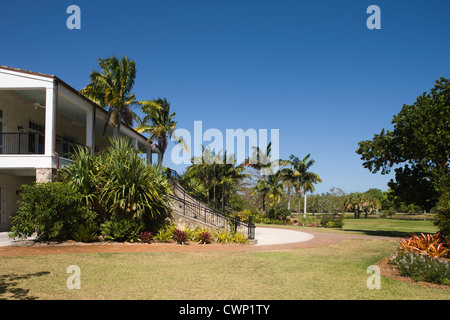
[(264, 203), (304, 207), (289, 198)]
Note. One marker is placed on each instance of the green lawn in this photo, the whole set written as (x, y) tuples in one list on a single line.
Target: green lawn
[(389, 227), (379, 227), (330, 272)]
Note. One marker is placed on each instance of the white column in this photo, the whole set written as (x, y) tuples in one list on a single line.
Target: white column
[(50, 120), (90, 130)]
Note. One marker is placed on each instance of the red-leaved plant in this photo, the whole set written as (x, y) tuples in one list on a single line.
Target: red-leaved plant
[(180, 236), (204, 237), (433, 245), (146, 236)]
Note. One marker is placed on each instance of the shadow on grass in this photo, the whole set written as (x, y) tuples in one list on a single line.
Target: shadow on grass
[(385, 233), (9, 286)]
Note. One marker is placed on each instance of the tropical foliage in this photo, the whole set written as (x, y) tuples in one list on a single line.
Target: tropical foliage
[(118, 183), (216, 176), (418, 146), (111, 87), (300, 177), (424, 258), (51, 210), (158, 122)]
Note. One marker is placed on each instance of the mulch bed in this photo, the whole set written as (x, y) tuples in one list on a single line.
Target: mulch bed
[(391, 271), (69, 247)]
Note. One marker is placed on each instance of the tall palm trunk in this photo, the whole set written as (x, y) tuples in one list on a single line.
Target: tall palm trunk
[(304, 207), (289, 198)]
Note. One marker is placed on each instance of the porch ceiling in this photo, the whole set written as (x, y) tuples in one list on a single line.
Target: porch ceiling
[(65, 107), (70, 110)]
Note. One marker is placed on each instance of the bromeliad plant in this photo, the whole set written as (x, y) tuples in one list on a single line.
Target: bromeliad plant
[(432, 245), (180, 236), (424, 258)]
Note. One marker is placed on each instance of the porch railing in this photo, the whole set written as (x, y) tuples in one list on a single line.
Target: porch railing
[(19, 143)]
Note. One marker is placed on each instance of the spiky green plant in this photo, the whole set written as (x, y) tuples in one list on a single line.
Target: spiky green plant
[(130, 187)]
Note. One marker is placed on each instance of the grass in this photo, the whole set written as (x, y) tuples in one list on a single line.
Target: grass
[(388, 227), (331, 272), (378, 227)]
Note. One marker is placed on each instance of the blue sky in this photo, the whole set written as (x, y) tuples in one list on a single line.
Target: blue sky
[(311, 69)]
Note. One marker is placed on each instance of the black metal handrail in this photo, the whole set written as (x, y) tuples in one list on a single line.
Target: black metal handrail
[(19, 143), (200, 210)]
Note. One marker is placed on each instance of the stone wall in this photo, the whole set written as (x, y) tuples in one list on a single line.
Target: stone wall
[(46, 175)]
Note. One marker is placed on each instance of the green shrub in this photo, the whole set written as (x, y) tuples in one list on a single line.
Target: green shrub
[(85, 232), (307, 221), (330, 224), (164, 235), (284, 213), (50, 209), (332, 221), (222, 236), (199, 235), (121, 229), (443, 213), (422, 267), (278, 214), (240, 238), (129, 187), (118, 182)]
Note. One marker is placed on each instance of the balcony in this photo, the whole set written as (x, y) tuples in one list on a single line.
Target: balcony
[(33, 143)]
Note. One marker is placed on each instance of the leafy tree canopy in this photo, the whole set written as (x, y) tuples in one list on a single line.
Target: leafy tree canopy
[(418, 146)]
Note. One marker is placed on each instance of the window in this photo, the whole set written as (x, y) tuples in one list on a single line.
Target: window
[(36, 127), (2, 209), (36, 141)]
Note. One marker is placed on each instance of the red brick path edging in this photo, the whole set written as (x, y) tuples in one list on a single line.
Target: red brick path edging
[(320, 239)]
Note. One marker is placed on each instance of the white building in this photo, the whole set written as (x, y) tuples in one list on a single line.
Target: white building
[(42, 119)]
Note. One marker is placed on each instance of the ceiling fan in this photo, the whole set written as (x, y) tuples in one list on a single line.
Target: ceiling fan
[(37, 105)]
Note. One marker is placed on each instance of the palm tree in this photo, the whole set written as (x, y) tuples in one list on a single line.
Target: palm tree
[(261, 161), (159, 123), (219, 175), (355, 202), (288, 179), (275, 186), (304, 179), (111, 87)]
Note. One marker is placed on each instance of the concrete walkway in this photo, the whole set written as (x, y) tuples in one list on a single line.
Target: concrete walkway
[(271, 236), (5, 241)]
